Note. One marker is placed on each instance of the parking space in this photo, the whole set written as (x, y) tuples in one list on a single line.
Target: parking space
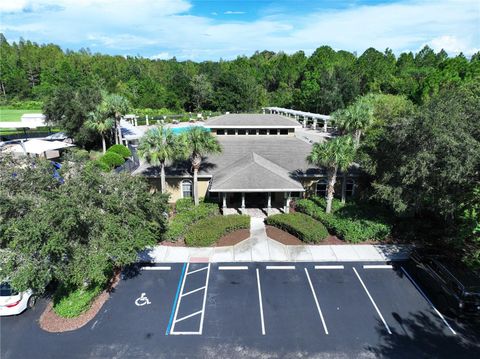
[(227, 309)]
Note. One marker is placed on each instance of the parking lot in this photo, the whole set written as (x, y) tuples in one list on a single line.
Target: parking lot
[(265, 310)]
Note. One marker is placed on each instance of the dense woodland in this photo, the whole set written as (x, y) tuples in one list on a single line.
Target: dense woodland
[(415, 117), (323, 82)]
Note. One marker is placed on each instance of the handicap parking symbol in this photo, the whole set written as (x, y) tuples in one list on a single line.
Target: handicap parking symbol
[(142, 300)]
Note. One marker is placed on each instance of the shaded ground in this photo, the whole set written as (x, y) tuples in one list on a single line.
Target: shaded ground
[(231, 322), (51, 322)]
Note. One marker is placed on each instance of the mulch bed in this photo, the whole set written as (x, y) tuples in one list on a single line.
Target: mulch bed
[(282, 236), (233, 238), (51, 322), (288, 239)]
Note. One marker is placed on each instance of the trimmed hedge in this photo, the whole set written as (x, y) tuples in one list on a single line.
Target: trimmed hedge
[(350, 222), (112, 159), (299, 225), (179, 224), (207, 231), (120, 150)]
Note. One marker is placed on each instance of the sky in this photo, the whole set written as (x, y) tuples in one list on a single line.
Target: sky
[(201, 30)]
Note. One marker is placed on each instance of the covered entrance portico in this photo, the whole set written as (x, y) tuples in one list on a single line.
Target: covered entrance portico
[(254, 182), (255, 203)]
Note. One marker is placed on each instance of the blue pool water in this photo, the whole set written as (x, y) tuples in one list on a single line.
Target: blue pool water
[(179, 130)]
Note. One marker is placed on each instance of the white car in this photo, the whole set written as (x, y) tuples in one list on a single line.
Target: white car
[(13, 303)]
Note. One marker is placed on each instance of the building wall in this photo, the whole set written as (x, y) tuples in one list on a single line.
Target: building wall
[(291, 132), (174, 187)]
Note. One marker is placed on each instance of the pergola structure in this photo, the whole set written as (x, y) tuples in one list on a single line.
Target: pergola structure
[(301, 116)]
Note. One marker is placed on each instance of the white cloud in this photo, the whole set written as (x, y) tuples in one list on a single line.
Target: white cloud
[(166, 27), (451, 44), (8, 6), (230, 12), (161, 56)]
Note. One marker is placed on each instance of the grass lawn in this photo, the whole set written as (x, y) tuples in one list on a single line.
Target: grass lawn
[(7, 114)]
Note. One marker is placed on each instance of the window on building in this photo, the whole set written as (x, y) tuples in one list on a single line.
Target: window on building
[(350, 188), (273, 131), (231, 131), (220, 131), (284, 131), (252, 131), (241, 131), (262, 131), (187, 189), (321, 188)]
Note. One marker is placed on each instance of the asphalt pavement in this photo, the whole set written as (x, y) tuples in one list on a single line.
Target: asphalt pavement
[(254, 310)]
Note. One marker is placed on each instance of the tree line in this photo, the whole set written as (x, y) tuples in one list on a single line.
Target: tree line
[(323, 82)]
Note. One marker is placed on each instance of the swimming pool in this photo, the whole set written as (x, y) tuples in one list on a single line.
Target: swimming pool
[(179, 130)]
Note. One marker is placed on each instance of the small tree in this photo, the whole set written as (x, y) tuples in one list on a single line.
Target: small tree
[(101, 124), (356, 118), (115, 106), (199, 142), (158, 146), (336, 154)]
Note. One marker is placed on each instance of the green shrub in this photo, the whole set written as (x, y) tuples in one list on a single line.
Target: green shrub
[(120, 150), (179, 224), (351, 222), (98, 165), (207, 231), (70, 303), (299, 225), (112, 159), (184, 204)]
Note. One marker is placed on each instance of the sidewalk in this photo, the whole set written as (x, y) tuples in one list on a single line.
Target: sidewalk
[(260, 248)]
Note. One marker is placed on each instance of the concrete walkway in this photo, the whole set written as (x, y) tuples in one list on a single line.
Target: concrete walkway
[(260, 248)]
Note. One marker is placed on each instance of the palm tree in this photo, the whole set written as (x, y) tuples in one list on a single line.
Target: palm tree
[(199, 142), (115, 106), (334, 155), (355, 118), (158, 146), (98, 122)]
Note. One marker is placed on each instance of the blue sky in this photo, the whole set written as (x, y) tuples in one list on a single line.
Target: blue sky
[(212, 29)]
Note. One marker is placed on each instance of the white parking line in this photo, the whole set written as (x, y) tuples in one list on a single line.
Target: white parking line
[(156, 268), (204, 300), (188, 316), (232, 268), (373, 302), (378, 266), (316, 302), (429, 302), (172, 330), (260, 301), (198, 270), (330, 267), (280, 267), (193, 291)]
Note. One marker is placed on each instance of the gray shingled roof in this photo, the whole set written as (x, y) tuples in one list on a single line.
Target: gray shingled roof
[(287, 152), (253, 173), (253, 120)]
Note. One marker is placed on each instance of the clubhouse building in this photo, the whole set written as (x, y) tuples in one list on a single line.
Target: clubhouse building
[(262, 165)]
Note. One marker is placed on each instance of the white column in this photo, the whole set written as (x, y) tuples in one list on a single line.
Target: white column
[(325, 125), (263, 111), (269, 203), (243, 203), (146, 119), (224, 203), (304, 124), (287, 202), (314, 123), (136, 121)]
